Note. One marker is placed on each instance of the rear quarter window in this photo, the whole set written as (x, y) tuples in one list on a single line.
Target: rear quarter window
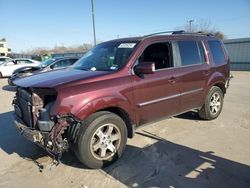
[(217, 52)]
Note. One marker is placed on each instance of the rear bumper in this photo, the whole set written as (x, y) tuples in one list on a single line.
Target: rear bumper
[(228, 80)]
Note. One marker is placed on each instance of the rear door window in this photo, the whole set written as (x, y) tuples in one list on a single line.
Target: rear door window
[(191, 53), (217, 52)]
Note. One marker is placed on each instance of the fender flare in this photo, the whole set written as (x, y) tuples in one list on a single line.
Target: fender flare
[(216, 79)]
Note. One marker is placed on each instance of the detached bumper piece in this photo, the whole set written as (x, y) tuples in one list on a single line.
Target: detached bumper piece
[(38, 137), (31, 135)]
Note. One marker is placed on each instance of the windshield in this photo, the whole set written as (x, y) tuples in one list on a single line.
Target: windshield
[(46, 63), (109, 56)]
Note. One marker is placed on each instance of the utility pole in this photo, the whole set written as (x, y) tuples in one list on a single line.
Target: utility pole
[(190, 25), (93, 19)]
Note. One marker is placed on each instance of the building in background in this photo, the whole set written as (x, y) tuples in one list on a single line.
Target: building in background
[(4, 50), (239, 53)]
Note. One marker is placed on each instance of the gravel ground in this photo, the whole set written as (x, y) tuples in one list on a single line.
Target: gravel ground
[(183, 151)]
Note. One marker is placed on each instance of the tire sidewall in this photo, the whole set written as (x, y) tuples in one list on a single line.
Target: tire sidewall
[(84, 142), (213, 90)]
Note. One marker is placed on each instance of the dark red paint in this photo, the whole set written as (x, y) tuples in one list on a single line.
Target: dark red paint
[(82, 93)]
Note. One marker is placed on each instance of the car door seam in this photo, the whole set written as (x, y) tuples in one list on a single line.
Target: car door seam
[(169, 97)]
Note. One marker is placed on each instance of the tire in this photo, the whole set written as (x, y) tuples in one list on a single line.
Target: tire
[(213, 104), (10, 82), (101, 133), (1, 76)]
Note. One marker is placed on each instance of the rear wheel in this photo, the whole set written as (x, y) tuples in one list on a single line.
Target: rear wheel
[(213, 104), (101, 140), (1, 75)]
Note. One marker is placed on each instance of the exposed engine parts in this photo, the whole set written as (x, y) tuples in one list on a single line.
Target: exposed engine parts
[(32, 108)]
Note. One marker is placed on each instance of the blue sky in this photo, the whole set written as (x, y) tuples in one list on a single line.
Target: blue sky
[(30, 24)]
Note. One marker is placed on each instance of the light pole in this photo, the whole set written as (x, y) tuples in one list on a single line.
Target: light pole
[(190, 25), (93, 19)]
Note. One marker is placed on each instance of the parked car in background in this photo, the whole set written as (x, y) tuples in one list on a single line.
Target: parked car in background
[(117, 86), (50, 64), (8, 67), (4, 59)]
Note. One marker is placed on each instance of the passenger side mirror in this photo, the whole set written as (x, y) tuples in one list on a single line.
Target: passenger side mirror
[(145, 68)]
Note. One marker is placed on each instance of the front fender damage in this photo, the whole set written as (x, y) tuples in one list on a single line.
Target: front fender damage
[(56, 144), (58, 139)]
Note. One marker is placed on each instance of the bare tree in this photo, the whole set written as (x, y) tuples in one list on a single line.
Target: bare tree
[(59, 49), (203, 26)]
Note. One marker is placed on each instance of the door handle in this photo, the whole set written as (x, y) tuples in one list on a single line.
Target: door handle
[(171, 80)]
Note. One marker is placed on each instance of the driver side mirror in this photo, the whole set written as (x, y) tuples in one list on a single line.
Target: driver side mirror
[(147, 67)]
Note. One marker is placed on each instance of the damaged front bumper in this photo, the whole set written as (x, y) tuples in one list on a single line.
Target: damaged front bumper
[(40, 138), (30, 134)]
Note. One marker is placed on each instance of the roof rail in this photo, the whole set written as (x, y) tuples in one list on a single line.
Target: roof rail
[(192, 33), (180, 32), (163, 32)]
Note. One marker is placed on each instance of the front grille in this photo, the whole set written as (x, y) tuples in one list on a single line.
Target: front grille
[(24, 106)]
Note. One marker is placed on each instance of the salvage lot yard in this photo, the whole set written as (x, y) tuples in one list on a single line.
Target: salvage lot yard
[(183, 151)]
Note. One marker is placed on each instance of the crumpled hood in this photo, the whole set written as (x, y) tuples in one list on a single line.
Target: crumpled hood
[(56, 78)]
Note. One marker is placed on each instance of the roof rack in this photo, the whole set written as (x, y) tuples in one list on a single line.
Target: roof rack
[(192, 33), (163, 32), (180, 32)]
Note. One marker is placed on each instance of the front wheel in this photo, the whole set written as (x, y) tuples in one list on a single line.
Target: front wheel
[(101, 139), (213, 104)]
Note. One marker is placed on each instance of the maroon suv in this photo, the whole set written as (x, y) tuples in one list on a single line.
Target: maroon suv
[(97, 103)]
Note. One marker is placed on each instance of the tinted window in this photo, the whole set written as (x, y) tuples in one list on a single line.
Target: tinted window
[(217, 52), (189, 53), (159, 53)]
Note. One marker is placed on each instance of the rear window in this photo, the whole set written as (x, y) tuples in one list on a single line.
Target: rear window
[(191, 52), (217, 52)]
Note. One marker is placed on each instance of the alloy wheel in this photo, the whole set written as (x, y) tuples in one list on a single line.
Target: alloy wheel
[(105, 141)]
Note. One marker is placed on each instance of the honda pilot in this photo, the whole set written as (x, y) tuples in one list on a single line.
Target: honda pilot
[(96, 104)]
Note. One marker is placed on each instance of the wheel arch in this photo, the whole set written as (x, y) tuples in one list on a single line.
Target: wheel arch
[(125, 117), (217, 79), (120, 107), (221, 86)]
